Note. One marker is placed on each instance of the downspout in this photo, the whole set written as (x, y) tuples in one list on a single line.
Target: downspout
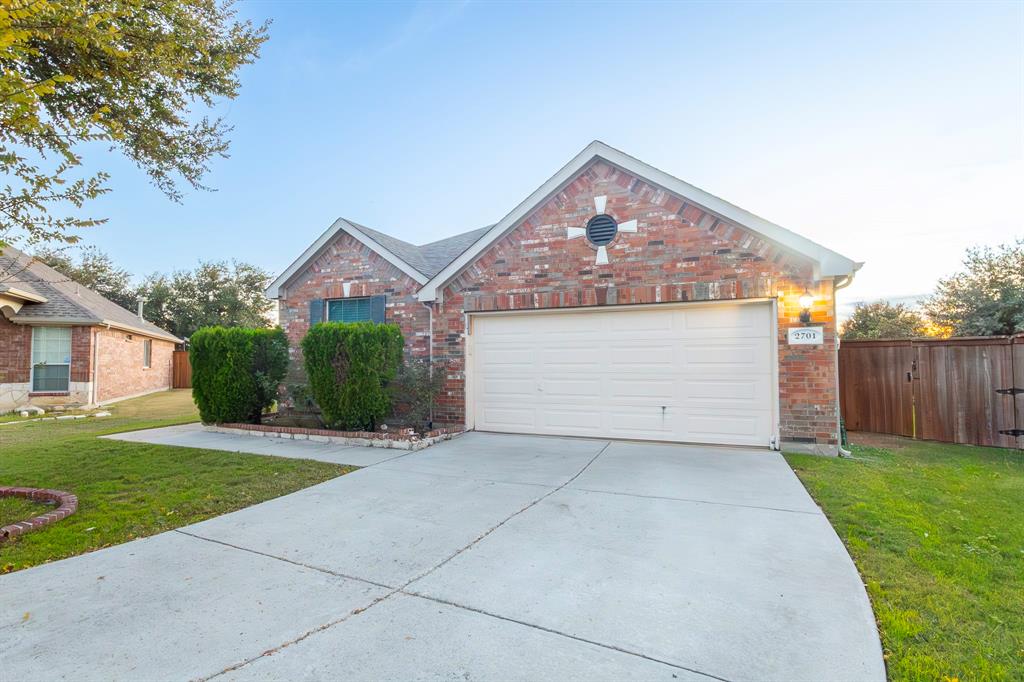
[(430, 353), (836, 286)]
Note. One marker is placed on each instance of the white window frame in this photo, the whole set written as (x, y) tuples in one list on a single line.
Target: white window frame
[(147, 353), (33, 363)]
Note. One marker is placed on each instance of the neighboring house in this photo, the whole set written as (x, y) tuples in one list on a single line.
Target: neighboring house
[(616, 301), (63, 344)]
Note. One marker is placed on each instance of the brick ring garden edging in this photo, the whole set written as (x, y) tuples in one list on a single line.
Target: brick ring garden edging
[(67, 504)]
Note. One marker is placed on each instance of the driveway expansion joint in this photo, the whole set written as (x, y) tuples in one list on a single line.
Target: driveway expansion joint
[(393, 590), (567, 635), (817, 511)]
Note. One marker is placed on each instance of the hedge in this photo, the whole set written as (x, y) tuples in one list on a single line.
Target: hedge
[(236, 372), (349, 366)]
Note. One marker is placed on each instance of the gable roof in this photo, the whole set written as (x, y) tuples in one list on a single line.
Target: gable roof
[(434, 265), (53, 298), (418, 262)]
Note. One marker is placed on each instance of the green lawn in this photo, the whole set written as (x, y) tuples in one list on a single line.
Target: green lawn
[(937, 532), (130, 490)]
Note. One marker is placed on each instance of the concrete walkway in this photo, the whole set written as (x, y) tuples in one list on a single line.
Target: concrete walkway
[(485, 557), (193, 436)]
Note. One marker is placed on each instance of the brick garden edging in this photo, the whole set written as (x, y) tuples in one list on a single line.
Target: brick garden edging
[(401, 440), (67, 504)]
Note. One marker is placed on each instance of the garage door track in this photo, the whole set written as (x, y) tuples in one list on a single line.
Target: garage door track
[(486, 557)]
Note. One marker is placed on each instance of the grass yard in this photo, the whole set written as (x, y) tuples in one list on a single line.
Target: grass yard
[(130, 490), (937, 532)]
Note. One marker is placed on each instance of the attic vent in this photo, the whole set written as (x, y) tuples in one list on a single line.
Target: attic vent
[(601, 229)]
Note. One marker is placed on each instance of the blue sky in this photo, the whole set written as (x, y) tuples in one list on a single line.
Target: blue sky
[(893, 133)]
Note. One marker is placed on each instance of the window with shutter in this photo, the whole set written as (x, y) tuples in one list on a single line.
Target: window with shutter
[(349, 310)]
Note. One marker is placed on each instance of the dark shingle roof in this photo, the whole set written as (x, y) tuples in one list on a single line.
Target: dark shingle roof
[(431, 258), (66, 300)]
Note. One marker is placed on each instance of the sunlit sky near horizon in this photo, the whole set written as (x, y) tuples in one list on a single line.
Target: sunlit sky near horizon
[(892, 133)]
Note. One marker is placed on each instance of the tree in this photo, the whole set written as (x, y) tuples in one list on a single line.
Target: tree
[(126, 73), (987, 297), (214, 294), (94, 269), (883, 321)]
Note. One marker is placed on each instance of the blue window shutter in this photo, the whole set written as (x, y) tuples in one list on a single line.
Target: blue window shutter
[(377, 309), (316, 311)]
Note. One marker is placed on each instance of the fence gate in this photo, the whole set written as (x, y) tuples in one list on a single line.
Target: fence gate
[(968, 390), (181, 375)]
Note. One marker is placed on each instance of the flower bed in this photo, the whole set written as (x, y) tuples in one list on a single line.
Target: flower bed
[(402, 439), (67, 504)]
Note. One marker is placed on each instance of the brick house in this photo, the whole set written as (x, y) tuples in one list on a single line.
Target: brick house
[(615, 301), (64, 344)]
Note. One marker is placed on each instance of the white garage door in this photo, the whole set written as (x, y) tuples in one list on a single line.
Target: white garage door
[(696, 373)]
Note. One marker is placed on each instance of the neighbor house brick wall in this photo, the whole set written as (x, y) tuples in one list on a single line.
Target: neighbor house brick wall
[(120, 371), (346, 260), (81, 353), (679, 253), (15, 351)]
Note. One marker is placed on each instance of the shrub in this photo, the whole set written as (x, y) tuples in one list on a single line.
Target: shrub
[(349, 366), (413, 392), (236, 372)]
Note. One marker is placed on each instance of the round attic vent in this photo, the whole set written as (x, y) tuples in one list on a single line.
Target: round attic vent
[(601, 229)]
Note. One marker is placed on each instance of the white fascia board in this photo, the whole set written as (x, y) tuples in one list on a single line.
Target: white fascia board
[(23, 295), (41, 321), (340, 225), (828, 263)]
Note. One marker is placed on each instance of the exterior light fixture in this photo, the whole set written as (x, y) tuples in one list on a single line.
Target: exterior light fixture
[(806, 301)]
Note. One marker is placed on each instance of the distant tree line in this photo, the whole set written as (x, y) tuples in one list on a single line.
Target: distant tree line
[(215, 293), (986, 298)]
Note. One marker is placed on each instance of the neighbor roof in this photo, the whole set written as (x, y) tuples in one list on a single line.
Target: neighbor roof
[(434, 265), (55, 299)]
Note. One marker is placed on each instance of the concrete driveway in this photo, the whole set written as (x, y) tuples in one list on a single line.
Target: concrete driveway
[(486, 557)]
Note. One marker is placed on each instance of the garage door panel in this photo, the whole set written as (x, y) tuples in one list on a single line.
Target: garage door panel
[(571, 420), (741, 393), (630, 421), (572, 388), (642, 389), (510, 357), (571, 355), (697, 374), (727, 321), (499, 387), (725, 356), (726, 426), (508, 417)]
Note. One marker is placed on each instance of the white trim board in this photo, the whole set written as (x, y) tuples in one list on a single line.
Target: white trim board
[(341, 225), (828, 263)]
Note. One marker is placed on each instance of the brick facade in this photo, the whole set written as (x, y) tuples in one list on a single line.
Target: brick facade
[(120, 362), (347, 261), (15, 352), (680, 253), (120, 372)]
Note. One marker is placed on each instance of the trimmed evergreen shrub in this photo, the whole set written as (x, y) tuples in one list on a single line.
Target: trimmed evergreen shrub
[(236, 372), (349, 366)]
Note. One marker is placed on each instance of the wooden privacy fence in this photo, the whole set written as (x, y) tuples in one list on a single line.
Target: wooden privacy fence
[(181, 374), (968, 390)]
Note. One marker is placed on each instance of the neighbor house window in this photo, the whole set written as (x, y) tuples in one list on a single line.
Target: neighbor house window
[(51, 359), (349, 310), (147, 353)]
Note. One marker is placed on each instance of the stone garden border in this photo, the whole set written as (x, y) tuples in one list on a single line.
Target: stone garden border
[(400, 440), (67, 504)]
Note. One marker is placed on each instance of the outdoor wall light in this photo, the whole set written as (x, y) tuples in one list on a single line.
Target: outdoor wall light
[(806, 301)]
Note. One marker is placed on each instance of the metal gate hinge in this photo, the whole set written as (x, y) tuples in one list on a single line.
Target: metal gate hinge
[(1012, 432), (1010, 391)]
